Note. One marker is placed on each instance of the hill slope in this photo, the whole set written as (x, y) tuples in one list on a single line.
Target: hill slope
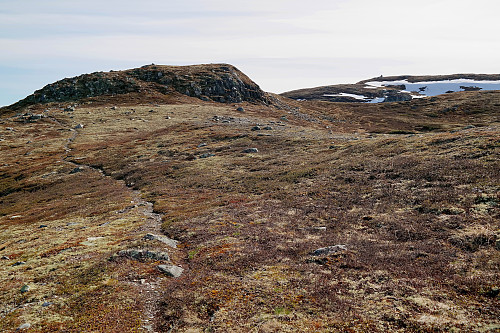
[(150, 212)]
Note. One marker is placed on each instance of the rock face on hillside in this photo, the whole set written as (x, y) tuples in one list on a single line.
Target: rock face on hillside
[(217, 82)]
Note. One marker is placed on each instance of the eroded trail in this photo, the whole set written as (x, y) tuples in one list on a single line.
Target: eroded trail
[(147, 290)]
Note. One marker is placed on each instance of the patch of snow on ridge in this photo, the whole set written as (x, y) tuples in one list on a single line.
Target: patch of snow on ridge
[(433, 88), (346, 95)]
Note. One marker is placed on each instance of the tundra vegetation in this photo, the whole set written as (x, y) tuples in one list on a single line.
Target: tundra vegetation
[(346, 217)]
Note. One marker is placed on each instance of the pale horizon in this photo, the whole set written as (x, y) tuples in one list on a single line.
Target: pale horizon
[(282, 46)]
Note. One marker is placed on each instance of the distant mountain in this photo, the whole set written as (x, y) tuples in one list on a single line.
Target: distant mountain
[(398, 88)]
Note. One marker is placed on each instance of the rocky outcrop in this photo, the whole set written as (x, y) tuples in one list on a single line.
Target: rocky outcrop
[(215, 82), (395, 96)]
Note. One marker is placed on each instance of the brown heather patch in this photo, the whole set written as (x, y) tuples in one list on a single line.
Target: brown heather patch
[(417, 212)]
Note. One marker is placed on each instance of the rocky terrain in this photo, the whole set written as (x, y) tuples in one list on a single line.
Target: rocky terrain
[(185, 199)]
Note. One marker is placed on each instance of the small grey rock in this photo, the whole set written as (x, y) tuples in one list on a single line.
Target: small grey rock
[(171, 270), (268, 128), (76, 170), (206, 155), (256, 128), (42, 226), (45, 304), (240, 109), (19, 263), (5, 258), (78, 126), (324, 251), (165, 240), (113, 108), (202, 145), (24, 326), (25, 288), (69, 109), (250, 150)]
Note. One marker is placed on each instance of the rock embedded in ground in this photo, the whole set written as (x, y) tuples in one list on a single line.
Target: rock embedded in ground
[(139, 254), (250, 150), (164, 239), (75, 170), (24, 326), (256, 128), (171, 270), (324, 251), (25, 288), (207, 155)]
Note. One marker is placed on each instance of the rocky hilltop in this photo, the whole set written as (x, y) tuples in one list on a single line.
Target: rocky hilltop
[(216, 82)]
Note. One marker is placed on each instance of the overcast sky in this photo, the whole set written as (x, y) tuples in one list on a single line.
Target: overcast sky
[(281, 44)]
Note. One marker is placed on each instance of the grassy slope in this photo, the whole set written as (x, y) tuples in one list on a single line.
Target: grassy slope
[(408, 188)]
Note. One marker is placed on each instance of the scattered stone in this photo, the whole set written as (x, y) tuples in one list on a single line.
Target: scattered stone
[(78, 126), (207, 155), (69, 109), (25, 288), (164, 239), (167, 117), (240, 109), (9, 129), (42, 226), (324, 251), (5, 258), (284, 118), (45, 304), (256, 128), (113, 108), (171, 270), (497, 244), (144, 254), (319, 228), (24, 326), (268, 128), (250, 150), (19, 263), (202, 145)]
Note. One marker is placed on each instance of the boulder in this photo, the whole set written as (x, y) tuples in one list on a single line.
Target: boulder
[(171, 270)]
